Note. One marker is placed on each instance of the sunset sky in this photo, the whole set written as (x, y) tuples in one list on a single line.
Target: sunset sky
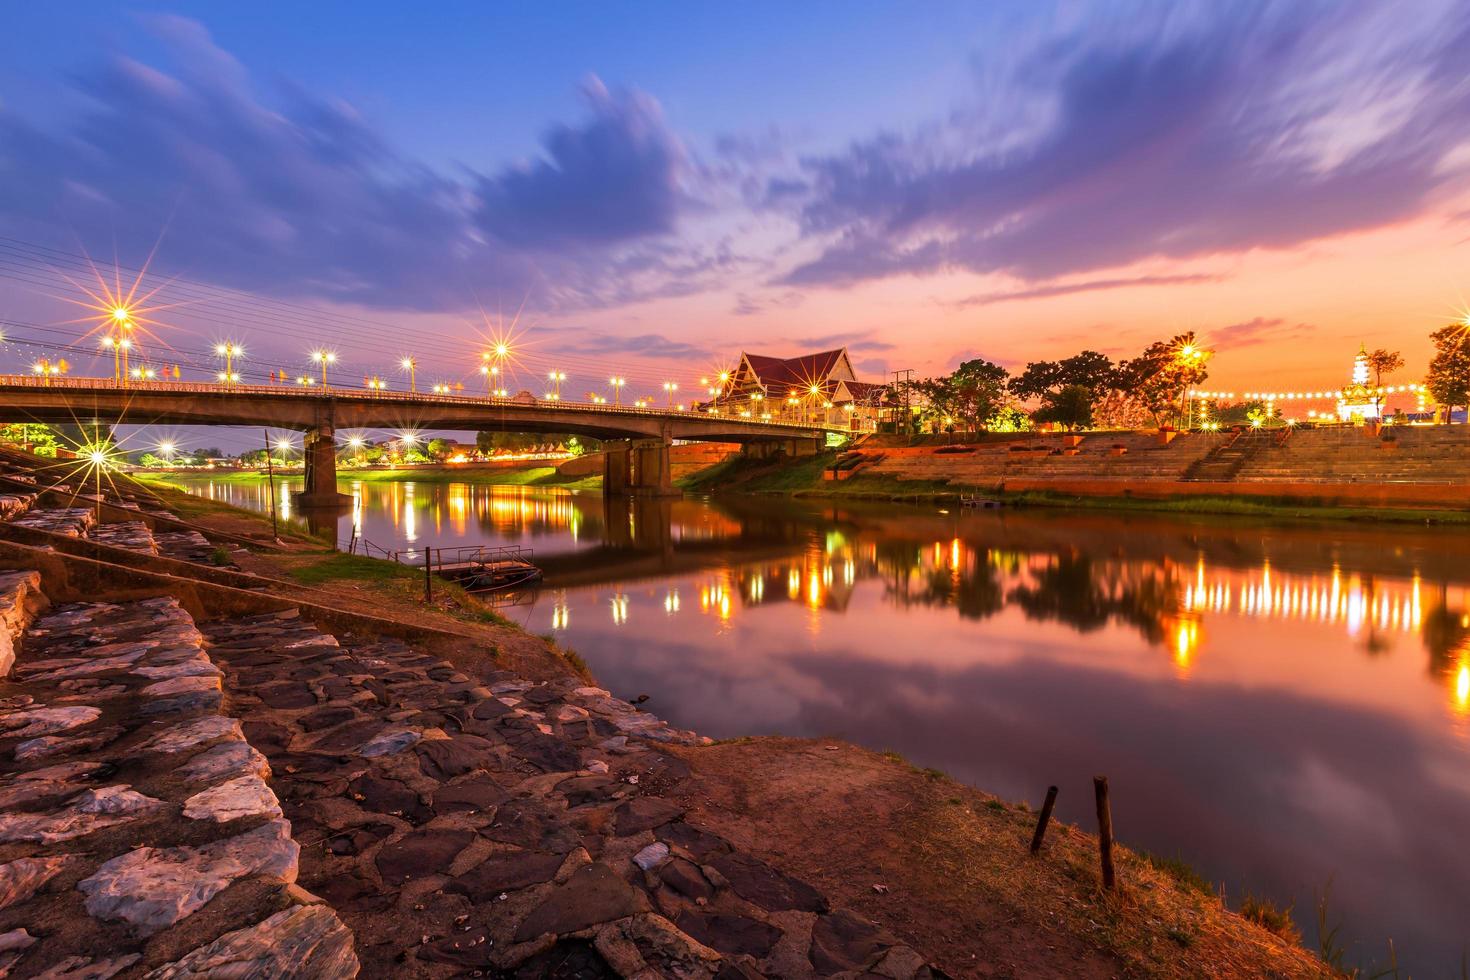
[(656, 186)]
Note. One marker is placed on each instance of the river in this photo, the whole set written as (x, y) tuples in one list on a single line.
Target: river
[(1282, 707)]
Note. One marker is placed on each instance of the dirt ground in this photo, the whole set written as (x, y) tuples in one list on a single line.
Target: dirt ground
[(947, 869)]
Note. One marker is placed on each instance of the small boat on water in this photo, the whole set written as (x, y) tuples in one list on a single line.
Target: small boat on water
[(496, 576)]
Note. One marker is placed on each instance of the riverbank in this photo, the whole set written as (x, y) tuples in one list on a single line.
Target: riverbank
[(803, 478), (941, 867)]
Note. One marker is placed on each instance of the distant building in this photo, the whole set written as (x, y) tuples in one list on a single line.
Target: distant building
[(812, 388), (1359, 402)]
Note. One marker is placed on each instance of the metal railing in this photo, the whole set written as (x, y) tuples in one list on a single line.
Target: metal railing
[(349, 392)]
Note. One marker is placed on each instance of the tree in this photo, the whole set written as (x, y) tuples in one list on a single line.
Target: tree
[(1161, 375), (1382, 362), (40, 438), (1449, 371), (439, 448), (1071, 407), (971, 395)]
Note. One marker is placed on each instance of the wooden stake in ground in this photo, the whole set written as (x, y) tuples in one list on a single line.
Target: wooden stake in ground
[(428, 574), (1044, 819), (1104, 829)]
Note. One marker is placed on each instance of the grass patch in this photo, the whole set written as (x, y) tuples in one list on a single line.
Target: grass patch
[(1264, 913), (1180, 871), (356, 568)]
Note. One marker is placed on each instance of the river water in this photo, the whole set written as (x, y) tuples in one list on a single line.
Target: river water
[(1280, 706)]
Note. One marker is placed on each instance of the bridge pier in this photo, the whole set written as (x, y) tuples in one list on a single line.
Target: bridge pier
[(790, 448), (640, 468), (319, 450)]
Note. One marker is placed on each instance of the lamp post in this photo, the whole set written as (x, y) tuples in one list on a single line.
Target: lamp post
[(324, 358), (617, 387), (669, 389), (122, 320), (109, 343), (229, 351), (492, 375), (410, 365), (556, 377), (724, 380)]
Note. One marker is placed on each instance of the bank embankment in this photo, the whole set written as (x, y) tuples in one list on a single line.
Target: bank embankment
[(944, 478)]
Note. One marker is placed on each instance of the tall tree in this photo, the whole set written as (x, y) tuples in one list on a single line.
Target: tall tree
[(1382, 362), (1449, 371), (969, 396), (1161, 375)]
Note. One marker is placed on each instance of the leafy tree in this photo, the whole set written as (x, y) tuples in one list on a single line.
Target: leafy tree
[(1165, 370), (1382, 362), (970, 396), (1449, 371), (439, 448), (41, 439), (1071, 407), (1088, 369)]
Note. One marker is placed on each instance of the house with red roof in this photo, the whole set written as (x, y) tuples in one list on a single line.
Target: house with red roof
[(818, 387)]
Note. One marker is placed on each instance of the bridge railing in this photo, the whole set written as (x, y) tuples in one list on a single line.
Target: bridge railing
[(371, 395)]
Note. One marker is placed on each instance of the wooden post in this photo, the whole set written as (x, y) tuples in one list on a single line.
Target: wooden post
[(1104, 829), (428, 574), (1044, 819)]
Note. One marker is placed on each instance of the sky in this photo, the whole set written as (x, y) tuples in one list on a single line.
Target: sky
[(647, 189)]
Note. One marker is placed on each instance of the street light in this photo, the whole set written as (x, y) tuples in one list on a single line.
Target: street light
[(166, 450), (324, 358), (410, 365), (492, 375), (617, 386), (557, 377), (229, 351), (669, 389), (376, 383)]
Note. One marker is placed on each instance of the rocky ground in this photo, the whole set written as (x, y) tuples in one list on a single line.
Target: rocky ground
[(264, 800)]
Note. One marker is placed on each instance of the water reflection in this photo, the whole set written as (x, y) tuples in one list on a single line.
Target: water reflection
[(1277, 706)]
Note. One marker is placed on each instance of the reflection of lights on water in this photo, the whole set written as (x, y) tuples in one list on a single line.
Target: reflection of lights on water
[(671, 601), (793, 583), (619, 604), (1462, 688), (757, 588), (1186, 641), (410, 517), (561, 613), (954, 555)]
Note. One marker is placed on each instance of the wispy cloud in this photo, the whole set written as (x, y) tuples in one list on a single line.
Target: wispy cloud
[(1086, 286), (1172, 132)]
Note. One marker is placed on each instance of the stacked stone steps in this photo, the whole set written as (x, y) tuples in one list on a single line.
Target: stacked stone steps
[(73, 522), (137, 832), (468, 826), (14, 504), (1143, 459), (188, 546), (132, 535), (20, 599), (1415, 455)]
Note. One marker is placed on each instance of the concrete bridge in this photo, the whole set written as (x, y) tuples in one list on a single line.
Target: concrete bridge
[(637, 439)]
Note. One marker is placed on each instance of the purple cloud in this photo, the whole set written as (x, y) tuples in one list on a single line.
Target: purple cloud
[(1240, 128), (302, 198), (617, 177)]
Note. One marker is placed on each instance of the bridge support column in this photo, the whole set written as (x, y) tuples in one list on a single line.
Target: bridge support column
[(320, 452), (790, 448), (652, 476), (617, 465)]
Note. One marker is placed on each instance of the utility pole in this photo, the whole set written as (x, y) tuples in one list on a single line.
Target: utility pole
[(904, 378)]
